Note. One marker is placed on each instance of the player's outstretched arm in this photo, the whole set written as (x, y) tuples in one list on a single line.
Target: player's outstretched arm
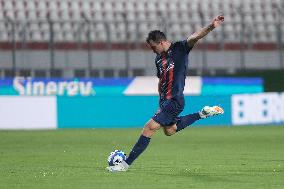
[(191, 40)]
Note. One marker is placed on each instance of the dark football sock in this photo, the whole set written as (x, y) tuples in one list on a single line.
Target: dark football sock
[(139, 147), (187, 120)]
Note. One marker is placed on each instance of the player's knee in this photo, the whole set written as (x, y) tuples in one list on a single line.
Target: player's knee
[(150, 128), (168, 132), (148, 132), (151, 125)]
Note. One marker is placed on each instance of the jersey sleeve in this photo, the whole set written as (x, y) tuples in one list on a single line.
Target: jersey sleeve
[(184, 46)]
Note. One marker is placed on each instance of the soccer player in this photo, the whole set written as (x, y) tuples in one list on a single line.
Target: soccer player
[(171, 62)]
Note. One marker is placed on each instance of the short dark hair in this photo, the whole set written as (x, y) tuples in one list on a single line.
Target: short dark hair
[(156, 36)]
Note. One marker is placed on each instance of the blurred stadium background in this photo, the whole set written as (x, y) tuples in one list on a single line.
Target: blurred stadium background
[(85, 64), (59, 49), (87, 38)]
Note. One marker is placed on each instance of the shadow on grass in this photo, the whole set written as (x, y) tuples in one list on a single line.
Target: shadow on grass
[(204, 177)]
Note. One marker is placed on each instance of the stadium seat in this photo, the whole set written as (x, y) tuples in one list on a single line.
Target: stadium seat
[(63, 6), (31, 15), (86, 7), (41, 5), (66, 26), (52, 5), (74, 6), (9, 14), (19, 5), (68, 36), (4, 36), (30, 5), (33, 26), (64, 15), (36, 36), (7, 5), (45, 36), (98, 16), (150, 6), (58, 37), (96, 6), (129, 6), (161, 6), (118, 6), (183, 13), (269, 18), (140, 16), (101, 37)]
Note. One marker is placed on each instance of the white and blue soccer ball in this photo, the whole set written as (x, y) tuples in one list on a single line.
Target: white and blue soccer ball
[(116, 157)]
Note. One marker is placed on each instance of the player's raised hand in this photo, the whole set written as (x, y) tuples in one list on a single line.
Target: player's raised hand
[(191, 40), (218, 20)]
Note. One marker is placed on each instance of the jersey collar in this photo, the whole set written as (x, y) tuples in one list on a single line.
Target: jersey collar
[(168, 52)]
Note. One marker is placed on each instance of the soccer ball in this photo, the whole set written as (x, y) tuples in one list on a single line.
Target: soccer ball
[(116, 157)]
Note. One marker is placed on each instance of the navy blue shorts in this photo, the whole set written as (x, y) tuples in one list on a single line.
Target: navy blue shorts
[(168, 112)]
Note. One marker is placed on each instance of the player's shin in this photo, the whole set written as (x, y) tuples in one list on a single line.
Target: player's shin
[(138, 148), (187, 120)]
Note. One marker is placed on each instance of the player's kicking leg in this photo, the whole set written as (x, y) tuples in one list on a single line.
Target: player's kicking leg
[(152, 126), (184, 121)]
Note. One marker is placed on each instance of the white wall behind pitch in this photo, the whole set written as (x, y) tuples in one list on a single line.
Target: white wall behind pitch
[(28, 112), (148, 85)]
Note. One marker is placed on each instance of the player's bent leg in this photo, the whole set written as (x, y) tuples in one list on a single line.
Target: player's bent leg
[(185, 121), (170, 130), (150, 128)]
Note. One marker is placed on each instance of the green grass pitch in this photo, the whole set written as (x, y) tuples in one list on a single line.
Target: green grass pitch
[(205, 158)]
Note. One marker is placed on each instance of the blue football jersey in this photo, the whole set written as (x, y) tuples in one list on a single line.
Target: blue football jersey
[(171, 70)]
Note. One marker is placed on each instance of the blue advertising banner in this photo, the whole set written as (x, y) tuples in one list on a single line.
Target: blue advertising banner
[(140, 86), (62, 87), (119, 111), (129, 111)]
